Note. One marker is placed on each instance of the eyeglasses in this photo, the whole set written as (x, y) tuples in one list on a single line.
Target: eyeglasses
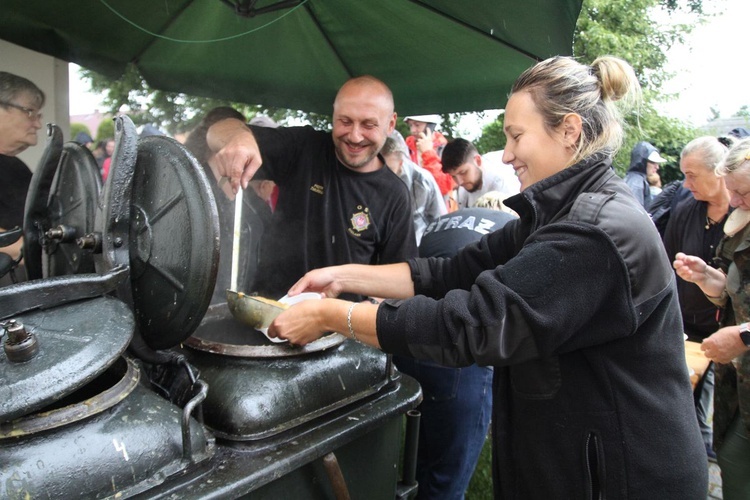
[(31, 113)]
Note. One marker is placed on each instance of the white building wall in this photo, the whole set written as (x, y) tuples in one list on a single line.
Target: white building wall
[(50, 75)]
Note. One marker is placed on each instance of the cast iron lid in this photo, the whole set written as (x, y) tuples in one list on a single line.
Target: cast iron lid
[(158, 206), (36, 211), (77, 342), (60, 208), (72, 208)]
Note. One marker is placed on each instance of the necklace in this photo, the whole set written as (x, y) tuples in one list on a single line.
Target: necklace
[(710, 222)]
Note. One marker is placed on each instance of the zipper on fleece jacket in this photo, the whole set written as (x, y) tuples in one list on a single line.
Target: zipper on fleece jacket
[(594, 468)]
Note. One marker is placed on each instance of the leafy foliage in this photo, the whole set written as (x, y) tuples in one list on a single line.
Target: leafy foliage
[(106, 130), (176, 112), (629, 29), (492, 138), (403, 128), (669, 135), (76, 128), (743, 112)]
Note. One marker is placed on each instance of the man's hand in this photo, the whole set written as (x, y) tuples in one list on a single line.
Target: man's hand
[(236, 153), (424, 143), (724, 345)]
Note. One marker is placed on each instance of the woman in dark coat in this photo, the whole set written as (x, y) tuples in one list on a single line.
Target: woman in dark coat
[(574, 304), (729, 346)]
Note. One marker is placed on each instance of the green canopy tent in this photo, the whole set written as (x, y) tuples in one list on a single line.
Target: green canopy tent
[(436, 55)]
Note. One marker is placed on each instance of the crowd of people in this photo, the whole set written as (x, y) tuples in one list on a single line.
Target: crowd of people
[(531, 290)]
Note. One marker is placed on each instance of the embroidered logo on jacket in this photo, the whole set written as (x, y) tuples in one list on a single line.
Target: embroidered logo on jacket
[(316, 188), (360, 221)]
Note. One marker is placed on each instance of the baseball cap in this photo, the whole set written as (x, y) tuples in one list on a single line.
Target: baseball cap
[(655, 157), (739, 132), (425, 118)]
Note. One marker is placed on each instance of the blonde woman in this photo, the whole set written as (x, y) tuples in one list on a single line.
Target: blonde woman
[(573, 304)]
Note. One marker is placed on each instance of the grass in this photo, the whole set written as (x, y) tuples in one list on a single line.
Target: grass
[(480, 486)]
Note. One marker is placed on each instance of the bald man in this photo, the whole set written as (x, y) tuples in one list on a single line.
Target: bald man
[(337, 202)]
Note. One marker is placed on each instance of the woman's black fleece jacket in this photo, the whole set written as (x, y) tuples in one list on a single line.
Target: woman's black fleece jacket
[(575, 305)]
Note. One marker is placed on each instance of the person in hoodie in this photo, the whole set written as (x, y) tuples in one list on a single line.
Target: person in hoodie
[(574, 304), (739, 133), (425, 149), (644, 160), (84, 139), (426, 202)]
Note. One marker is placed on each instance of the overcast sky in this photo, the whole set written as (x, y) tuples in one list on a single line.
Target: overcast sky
[(712, 69)]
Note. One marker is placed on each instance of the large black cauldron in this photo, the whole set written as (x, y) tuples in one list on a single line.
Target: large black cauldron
[(109, 395)]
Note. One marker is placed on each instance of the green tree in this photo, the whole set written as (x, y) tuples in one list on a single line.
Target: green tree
[(403, 128), (630, 29), (76, 128), (492, 138), (177, 112), (743, 112), (106, 130), (449, 125), (669, 135)]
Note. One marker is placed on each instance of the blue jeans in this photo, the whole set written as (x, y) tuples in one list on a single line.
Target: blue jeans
[(456, 414), (705, 408)]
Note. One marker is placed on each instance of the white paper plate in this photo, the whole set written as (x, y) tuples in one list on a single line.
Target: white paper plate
[(286, 299)]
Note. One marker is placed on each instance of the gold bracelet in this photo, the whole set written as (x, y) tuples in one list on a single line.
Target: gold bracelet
[(349, 321)]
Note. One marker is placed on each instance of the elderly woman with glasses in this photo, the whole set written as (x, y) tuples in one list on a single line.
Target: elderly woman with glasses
[(728, 347), (20, 119)]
